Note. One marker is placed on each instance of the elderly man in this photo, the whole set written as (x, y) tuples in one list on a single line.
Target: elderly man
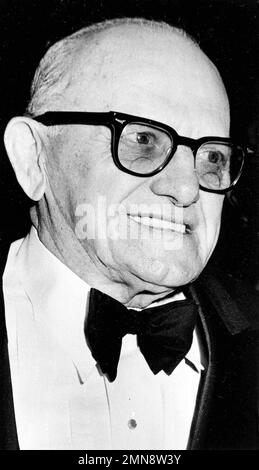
[(125, 150)]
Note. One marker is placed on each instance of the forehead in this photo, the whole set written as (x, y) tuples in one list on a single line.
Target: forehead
[(153, 73)]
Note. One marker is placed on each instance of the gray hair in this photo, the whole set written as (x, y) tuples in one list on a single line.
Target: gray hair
[(52, 76)]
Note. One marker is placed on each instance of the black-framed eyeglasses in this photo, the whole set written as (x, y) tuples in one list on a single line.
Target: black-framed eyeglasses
[(143, 147)]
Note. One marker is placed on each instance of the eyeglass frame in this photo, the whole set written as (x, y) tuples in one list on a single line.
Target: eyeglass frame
[(117, 121)]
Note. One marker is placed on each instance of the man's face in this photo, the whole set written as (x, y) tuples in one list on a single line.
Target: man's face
[(169, 80)]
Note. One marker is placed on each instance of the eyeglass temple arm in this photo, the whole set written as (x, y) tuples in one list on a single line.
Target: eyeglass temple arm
[(56, 118)]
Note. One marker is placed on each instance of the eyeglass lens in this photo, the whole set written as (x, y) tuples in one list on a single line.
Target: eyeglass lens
[(143, 149)]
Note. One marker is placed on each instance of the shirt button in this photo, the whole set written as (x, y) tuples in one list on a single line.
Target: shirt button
[(132, 423)]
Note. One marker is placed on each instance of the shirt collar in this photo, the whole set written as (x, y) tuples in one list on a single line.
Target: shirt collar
[(60, 300)]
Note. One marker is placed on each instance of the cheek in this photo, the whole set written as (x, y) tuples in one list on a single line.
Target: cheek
[(211, 208)]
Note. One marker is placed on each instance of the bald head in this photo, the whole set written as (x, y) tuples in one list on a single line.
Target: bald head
[(98, 52)]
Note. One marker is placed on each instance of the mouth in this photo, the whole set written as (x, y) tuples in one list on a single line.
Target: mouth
[(161, 224)]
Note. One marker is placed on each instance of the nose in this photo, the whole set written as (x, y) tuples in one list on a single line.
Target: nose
[(178, 180)]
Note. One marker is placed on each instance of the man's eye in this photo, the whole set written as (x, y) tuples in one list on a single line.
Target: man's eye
[(142, 138), (216, 157)]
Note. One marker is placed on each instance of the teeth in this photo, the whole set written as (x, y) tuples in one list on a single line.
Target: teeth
[(159, 223)]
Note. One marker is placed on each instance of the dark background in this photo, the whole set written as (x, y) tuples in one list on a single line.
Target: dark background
[(227, 31)]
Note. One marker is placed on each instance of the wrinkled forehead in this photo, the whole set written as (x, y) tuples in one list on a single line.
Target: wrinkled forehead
[(130, 67)]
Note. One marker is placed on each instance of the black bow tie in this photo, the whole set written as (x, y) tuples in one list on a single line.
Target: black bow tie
[(164, 332)]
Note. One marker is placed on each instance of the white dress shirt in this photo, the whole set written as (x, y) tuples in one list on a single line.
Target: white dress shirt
[(61, 400)]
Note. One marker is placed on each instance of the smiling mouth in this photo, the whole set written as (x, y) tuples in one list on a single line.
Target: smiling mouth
[(161, 224)]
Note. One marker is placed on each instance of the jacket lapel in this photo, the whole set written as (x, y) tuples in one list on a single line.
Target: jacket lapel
[(225, 414), (8, 432)]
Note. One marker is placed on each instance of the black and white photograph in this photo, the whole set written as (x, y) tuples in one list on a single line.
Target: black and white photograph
[(129, 302)]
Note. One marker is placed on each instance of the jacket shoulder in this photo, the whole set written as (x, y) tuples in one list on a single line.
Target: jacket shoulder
[(231, 293), (4, 250)]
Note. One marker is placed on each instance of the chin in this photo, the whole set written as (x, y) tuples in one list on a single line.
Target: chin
[(185, 268), (176, 279), (168, 276), (151, 268)]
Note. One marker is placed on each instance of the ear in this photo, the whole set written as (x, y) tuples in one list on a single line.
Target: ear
[(25, 149)]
